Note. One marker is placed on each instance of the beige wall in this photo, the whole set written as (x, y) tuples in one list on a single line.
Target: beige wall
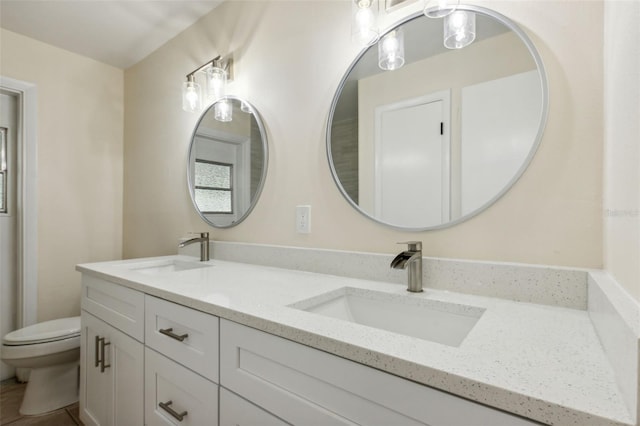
[(80, 139), (622, 143), (289, 68)]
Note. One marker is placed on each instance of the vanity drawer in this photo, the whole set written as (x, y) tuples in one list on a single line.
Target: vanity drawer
[(237, 411), (176, 395), (303, 385), (183, 334), (118, 306)]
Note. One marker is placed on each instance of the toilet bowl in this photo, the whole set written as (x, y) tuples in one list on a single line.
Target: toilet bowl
[(51, 349)]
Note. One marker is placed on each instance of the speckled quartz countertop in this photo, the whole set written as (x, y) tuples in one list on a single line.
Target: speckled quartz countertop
[(542, 362)]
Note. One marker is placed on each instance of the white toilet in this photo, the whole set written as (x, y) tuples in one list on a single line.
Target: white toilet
[(51, 349)]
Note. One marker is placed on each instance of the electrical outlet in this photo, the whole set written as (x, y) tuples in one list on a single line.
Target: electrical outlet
[(303, 219)]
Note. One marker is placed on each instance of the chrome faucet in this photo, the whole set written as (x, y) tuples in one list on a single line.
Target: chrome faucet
[(411, 258), (203, 239)]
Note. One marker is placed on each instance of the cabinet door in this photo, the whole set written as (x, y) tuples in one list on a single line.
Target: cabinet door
[(236, 411), (175, 395), (95, 394), (111, 375)]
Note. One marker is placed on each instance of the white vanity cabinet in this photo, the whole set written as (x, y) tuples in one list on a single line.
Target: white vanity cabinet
[(181, 365), (305, 386), (112, 355), (148, 361)]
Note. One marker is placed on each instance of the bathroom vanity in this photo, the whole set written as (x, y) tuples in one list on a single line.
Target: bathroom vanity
[(174, 341)]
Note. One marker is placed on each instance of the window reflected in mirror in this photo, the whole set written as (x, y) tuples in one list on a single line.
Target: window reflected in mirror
[(213, 190)]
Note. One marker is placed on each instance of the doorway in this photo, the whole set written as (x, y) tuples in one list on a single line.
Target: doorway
[(412, 161), (8, 219), (18, 209)]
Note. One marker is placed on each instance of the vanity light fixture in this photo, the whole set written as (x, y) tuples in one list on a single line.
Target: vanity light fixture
[(223, 110), (459, 29), (191, 95), (217, 73), (439, 8), (364, 30), (391, 50)]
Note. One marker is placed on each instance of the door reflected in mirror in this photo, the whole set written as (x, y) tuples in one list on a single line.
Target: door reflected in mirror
[(437, 141), (227, 162)]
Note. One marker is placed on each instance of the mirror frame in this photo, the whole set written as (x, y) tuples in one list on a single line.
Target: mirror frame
[(534, 147), (265, 162)]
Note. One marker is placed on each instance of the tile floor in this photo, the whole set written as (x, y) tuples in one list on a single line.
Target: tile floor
[(10, 398)]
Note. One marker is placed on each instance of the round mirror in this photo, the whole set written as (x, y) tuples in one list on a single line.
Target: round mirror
[(227, 162), (440, 139)]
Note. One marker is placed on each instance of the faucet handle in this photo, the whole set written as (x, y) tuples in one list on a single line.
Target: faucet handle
[(201, 234), (413, 245)]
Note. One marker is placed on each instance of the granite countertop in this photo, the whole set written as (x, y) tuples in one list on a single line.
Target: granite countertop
[(542, 362)]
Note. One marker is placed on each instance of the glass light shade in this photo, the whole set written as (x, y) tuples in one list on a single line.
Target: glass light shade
[(216, 83), (364, 29), (223, 110), (459, 29), (391, 50), (439, 8), (191, 96)]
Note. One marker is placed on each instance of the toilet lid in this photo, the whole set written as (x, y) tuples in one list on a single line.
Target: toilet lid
[(43, 332)]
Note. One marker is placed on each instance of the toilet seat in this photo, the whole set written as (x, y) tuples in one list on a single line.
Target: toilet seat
[(25, 353), (51, 350), (44, 332)]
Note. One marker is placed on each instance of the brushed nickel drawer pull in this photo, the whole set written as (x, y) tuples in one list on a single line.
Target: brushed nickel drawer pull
[(169, 332), (166, 407), (97, 351), (103, 344)]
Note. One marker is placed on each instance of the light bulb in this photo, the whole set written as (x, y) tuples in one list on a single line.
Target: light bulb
[(363, 25), (191, 99), (390, 44), (459, 29), (365, 18), (391, 50), (222, 110), (458, 20), (216, 83)]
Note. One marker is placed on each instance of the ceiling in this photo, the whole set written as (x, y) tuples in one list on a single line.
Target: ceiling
[(116, 32)]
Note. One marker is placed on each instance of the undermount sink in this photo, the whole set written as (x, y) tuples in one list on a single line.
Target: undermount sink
[(166, 266), (436, 321)]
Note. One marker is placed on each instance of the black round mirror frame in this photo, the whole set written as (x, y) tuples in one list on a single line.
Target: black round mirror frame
[(534, 146), (248, 108)]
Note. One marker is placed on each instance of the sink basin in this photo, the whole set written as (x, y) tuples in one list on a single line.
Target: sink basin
[(436, 321), (166, 266)]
